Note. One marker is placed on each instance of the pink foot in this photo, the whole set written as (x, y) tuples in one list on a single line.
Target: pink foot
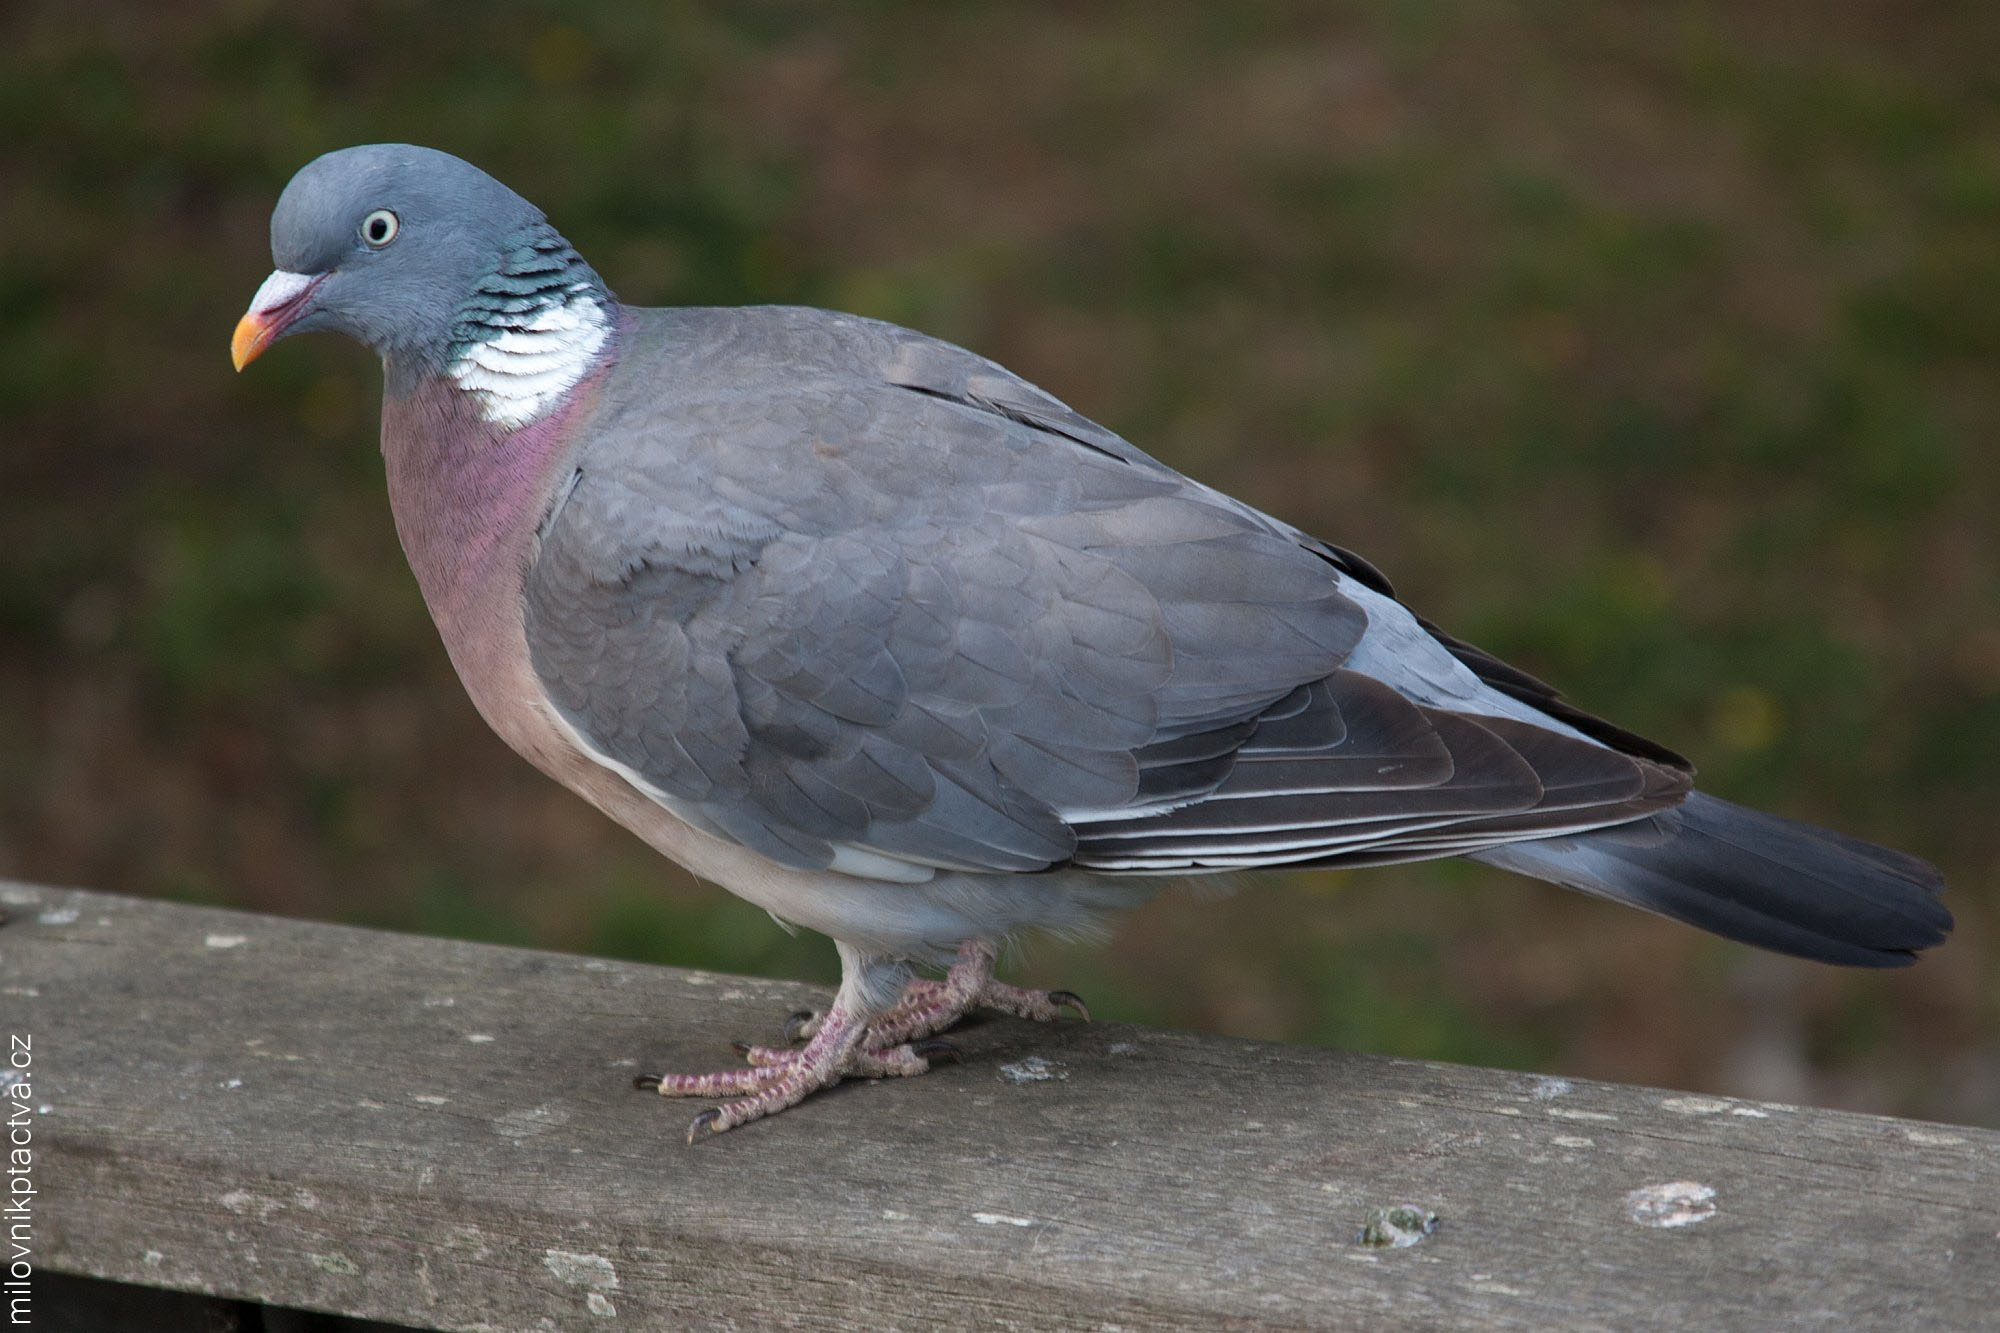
[(929, 1007), (778, 1079), (898, 1042)]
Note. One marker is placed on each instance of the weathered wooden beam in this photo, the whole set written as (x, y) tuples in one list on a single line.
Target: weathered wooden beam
[(445, 1134)]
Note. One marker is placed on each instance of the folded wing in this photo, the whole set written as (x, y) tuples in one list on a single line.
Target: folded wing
[(901, 612)]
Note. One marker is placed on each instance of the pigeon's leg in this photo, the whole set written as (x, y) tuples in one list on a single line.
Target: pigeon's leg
[(929, 1007), (839, 1049)]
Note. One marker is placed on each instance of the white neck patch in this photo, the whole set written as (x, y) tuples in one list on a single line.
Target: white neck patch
[(519, 376)]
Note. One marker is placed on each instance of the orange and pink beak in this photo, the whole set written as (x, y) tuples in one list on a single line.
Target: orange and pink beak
[(277, 305)]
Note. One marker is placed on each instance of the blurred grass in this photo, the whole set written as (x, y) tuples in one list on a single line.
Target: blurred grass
[(1652, 346)]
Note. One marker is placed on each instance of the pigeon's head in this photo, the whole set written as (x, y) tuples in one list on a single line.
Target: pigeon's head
[(386, 243)]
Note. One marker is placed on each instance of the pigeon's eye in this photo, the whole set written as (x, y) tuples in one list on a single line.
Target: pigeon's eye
[(380, 227)]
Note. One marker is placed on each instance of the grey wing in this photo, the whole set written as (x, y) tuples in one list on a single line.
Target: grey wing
[(918, 615)]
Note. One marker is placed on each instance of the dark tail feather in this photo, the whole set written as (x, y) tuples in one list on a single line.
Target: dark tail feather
[(1749, 876)]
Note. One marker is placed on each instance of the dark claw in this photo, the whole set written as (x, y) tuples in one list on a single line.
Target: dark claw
[(794, 1022), (935, 1049), (740, 1047), (704, 1124), (647, 1082), (1069, 999)]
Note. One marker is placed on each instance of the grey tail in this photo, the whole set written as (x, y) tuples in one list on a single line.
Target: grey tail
[(1754, 877)]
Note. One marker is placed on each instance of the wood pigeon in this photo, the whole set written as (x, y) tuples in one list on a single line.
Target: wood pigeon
[(895, 645)]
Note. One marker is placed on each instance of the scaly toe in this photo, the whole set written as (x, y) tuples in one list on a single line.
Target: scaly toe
[(766, 1057), (904, 1061), (726, 1083), (1040, 1006)]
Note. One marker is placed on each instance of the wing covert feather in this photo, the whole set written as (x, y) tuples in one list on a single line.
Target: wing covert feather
[(881, 595)]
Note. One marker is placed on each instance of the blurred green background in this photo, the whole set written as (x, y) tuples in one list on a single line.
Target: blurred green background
[(1652, 346)]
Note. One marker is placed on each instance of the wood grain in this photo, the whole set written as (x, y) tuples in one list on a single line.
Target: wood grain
[(445, 1134)]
